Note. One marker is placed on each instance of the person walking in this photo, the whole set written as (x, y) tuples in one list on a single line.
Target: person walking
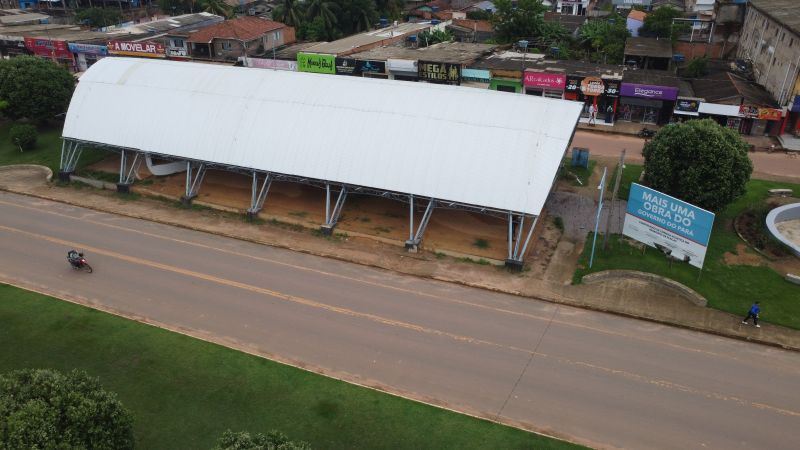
[(754, 310)]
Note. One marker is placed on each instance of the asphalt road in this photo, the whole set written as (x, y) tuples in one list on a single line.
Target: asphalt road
[(597, 379)]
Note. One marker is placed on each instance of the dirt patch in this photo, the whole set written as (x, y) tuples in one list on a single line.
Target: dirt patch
[(751, 226), (742, 257)]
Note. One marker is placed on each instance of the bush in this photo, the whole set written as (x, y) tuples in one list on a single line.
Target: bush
[(23, 136), (49, 410), (243, 440)]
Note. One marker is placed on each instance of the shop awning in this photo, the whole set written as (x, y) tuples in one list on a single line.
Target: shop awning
[(719, 110)]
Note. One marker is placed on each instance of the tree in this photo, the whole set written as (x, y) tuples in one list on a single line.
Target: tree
[(49, 410), (524, 21), (355, 16), (390, 9), (23, 136), (699, 162), (243, 440), (427, 37), (218, 7), (697, 67), (35, 88), (479, 14), (323, 16), (175, 7), (98, 17), (289, 12), (659, 23), (606, 37)]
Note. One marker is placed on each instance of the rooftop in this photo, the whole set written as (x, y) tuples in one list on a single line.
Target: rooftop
[(646, 46), (182, 22), (245, 28), (569, 21), (446, 52), (785, 12), (731, 89), (351, 44), (483, 26), (513, 61), (290, 52), (653, 77), (15, 16)]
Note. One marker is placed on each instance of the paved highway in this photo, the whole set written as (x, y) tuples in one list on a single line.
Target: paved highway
[(594, 378)]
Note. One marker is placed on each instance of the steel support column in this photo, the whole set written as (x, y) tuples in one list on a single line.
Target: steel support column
[(515, 254), (332, 215), (193, 182), (128, 170), (415, 238), (70, 154), (258, 196)]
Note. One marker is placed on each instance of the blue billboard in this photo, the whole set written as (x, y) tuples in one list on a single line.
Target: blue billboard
[(680, 229)]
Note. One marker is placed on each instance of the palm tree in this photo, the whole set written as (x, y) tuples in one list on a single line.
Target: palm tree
[(323, 9), (288, 12), (218, 7)]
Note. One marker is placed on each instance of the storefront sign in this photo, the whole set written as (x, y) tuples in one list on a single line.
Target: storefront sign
[(612, 87), (316, 63), (631, 2), (347, 66), (796, 104), (6, 43), (648, 91), (749, 112), (687, 106), (476, 75), (48, 48), (544, 80), (88, 49), (144, 49), (177, 52), (277, 64), (593, 86), (439, 72), (372, 66), (661, 221), (769, 114)]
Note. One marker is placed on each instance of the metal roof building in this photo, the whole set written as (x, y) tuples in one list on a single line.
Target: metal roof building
[(455, 146)]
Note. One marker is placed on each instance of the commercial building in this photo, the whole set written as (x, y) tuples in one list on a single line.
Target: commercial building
[(234, 38)]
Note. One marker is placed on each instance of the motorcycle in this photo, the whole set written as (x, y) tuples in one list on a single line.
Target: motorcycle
[(79, 263), (646, 133)]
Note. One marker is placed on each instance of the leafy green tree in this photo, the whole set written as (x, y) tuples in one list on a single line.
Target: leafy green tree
[(176, 7), (243, 440), (426, 38), (697, 67), (390, 9), (45, 409), (322, 13), (659, 23), (479, 15), (355, 16), (34, 88), (605, 37), (23, 136), (289, 12), (699, 162), (525, 21), (218, 7), (98, 17)]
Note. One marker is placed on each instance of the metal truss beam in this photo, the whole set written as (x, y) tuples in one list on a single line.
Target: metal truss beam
[(193, 182), (258, 195), (415, 237), (128, 170), (332, 215)]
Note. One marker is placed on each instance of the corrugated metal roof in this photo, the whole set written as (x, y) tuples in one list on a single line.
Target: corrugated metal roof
[(466, 145)]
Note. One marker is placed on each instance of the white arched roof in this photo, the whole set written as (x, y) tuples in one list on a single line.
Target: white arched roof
[(474, 146)]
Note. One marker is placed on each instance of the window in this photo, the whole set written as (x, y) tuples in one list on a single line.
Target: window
[(226, 45), (276, 36), (177, 43)]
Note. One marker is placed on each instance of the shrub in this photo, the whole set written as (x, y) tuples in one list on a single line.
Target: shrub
[(23, 136)]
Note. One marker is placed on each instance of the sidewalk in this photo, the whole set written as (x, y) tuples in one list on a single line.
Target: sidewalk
[(634, 298)]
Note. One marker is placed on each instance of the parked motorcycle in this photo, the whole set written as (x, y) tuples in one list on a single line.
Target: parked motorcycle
[(78, 262), (646, 133)]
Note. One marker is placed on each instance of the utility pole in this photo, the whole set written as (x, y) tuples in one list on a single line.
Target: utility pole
[(620, 168), (602, 189)]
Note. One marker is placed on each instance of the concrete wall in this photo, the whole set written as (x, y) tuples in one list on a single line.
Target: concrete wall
[(782, 214), (775, 52)]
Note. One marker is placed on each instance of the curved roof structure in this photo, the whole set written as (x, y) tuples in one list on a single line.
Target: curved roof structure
[(476, 147)]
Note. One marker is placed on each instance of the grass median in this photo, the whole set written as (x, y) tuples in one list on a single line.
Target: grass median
[(185, 392), (47, 151), (727, 287)]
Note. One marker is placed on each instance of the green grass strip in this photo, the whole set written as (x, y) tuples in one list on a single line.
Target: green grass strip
[(184, 392)]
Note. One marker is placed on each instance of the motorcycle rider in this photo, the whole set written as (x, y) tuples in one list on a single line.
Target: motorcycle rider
[(74, 257)]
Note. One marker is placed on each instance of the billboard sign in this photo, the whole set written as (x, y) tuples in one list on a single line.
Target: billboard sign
[(372, 66), (667, 223), (277, 64), (435, 72), (593, 86), (544, 80), (769, 114), (88, 49), (347, 66), (48, 48), (649, 91), (144, 49), (316, 63), (687, 106)]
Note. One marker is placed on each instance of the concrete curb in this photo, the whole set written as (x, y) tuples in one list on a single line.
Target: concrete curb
[(44, 169), (685, 291), (555, 298)]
